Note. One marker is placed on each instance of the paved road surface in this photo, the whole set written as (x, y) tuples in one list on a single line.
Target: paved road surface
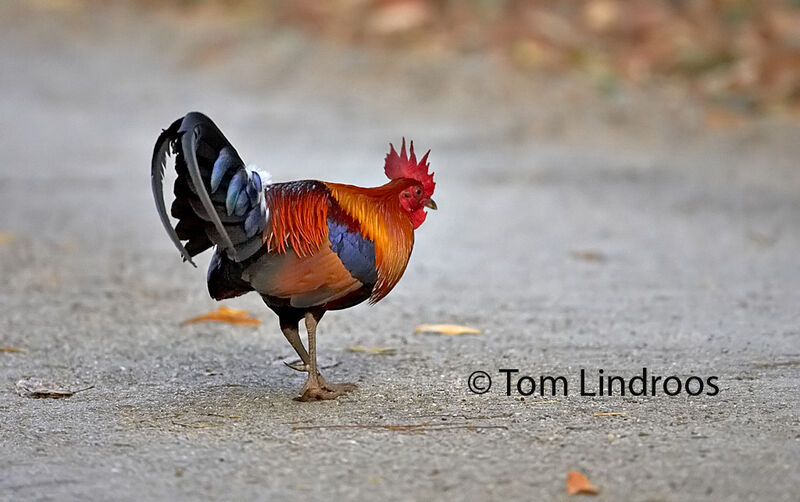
[(578, 231)]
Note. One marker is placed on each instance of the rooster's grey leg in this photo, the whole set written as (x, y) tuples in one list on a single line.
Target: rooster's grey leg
[(292, 334), (316, 388)]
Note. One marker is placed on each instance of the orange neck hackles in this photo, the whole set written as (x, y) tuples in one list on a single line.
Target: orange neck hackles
[(378, 213)]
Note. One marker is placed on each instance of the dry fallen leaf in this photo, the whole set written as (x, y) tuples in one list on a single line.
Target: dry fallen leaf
[(13, 350), (588, 255), (224, 314), (610, 414), (763, 239), (35, 388), (378, 351), (446, 329), (577, 484)]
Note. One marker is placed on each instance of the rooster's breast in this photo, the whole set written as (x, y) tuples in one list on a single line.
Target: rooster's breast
[(340, 274)]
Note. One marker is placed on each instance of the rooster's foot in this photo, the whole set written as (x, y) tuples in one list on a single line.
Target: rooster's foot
[(323, 391)]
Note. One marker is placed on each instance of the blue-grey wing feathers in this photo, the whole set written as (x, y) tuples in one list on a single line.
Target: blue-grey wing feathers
[(356, 252)]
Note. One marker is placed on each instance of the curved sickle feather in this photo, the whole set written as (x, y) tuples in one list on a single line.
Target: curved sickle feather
[(157, 182), (189, 148)]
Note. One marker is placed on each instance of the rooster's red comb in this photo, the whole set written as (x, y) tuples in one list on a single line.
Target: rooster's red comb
[(403, 166)]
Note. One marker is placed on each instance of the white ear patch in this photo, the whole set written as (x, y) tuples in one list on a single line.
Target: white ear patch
[(266, 178)]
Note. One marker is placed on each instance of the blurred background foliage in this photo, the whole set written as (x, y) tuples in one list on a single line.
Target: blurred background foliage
[(742, 56)]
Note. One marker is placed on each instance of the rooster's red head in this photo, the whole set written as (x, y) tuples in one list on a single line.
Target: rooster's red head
[(415, 197)]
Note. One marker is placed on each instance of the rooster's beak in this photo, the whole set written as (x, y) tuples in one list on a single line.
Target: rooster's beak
[(430, 204)]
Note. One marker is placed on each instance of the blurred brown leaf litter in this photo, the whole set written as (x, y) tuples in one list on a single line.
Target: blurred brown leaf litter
[(741, 56)]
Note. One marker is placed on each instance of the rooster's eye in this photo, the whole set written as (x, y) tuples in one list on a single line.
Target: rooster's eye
[(419, 192)]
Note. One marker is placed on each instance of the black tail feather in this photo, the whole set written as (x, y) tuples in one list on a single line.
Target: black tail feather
[(162, 149), (203, 217)]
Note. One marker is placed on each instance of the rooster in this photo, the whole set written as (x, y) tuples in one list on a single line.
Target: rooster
[(305, 246)]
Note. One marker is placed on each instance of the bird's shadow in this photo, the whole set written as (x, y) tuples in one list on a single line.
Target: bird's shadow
[(223, 405)]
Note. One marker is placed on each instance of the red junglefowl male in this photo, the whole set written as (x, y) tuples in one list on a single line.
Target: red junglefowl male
[(305, 246)]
